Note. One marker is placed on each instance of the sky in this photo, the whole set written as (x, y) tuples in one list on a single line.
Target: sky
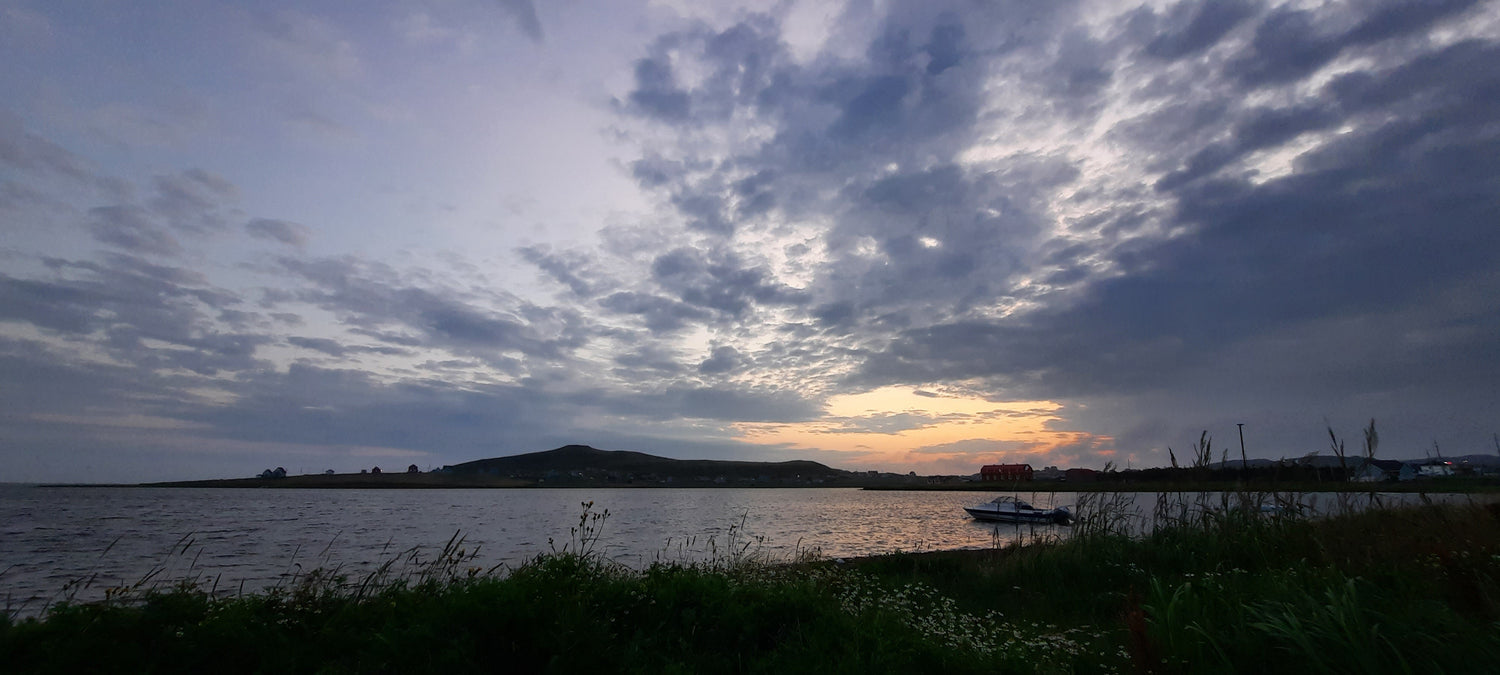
[(879, 234)]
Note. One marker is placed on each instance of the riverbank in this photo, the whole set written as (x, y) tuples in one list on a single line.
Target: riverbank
[(1382, 590), (1450, 485), (437, 481)]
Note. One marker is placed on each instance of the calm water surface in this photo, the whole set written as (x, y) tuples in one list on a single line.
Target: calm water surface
[(249, 539), (52, 536)]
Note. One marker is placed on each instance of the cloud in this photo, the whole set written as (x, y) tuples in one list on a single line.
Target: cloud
[(1290, 44), (29, 152), (1142, 221), (524, 14), (133, 229), (281, 231), (373, 297), (1224, 222), (1196, 26), (191, 200), (308, 45), (723, 360), (560, 267)]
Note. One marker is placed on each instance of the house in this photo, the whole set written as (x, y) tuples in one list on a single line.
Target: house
[(1005, 472), (413, 469), (1049, 473), (1435, 468), (1381, 470)]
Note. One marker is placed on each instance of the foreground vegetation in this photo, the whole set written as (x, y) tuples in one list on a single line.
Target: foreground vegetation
[(1215, 590)]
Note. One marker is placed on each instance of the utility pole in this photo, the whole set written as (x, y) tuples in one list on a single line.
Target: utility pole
[(1244, 463)]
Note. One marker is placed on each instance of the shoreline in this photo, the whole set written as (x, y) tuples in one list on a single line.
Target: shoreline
[(448, 482)]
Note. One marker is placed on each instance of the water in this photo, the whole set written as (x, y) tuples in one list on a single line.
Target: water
[(51, 538), (249, 539)]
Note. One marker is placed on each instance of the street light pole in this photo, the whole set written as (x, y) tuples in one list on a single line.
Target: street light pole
[(1244, 463)]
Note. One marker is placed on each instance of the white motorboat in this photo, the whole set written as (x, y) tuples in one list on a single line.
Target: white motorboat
[(1012, 510)]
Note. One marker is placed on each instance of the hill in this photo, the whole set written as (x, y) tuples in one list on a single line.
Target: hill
[(581, 462)]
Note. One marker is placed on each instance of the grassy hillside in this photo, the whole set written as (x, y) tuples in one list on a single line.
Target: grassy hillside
[(584, 459)]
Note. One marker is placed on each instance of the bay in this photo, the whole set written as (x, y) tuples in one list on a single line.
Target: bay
[(59, 543)]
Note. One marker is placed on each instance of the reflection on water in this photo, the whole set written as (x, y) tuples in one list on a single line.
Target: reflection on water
[(248, 539)]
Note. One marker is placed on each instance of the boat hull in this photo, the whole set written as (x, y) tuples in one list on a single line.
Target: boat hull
[(1057, 517)]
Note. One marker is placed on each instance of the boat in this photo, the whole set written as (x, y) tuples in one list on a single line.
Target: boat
[(1012, 510)]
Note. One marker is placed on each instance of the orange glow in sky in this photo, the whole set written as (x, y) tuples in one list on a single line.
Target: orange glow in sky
[(906, 429)]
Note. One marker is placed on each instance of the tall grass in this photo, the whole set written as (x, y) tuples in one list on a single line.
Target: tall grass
[(1238, 582)]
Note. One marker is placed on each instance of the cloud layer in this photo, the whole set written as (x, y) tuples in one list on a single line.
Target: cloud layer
[(1132, 223)]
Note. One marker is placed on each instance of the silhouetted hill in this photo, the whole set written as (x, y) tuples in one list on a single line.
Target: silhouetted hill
[(578, 461)]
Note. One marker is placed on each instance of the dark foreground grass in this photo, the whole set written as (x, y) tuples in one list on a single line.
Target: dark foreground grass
[(1385, 590)]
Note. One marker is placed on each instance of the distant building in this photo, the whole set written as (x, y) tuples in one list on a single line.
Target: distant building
[(1381, 470), (1006, 472), (375, 470), (413, 469), (1049, 473), (1435, 468)]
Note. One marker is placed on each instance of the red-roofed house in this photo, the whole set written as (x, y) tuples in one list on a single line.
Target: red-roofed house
[(1005, 472)]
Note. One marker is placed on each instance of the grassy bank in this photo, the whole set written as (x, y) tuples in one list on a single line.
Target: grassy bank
[(1451, 485), (1383, 590)]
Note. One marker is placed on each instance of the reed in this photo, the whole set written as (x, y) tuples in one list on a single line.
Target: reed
[(1219, 584)]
